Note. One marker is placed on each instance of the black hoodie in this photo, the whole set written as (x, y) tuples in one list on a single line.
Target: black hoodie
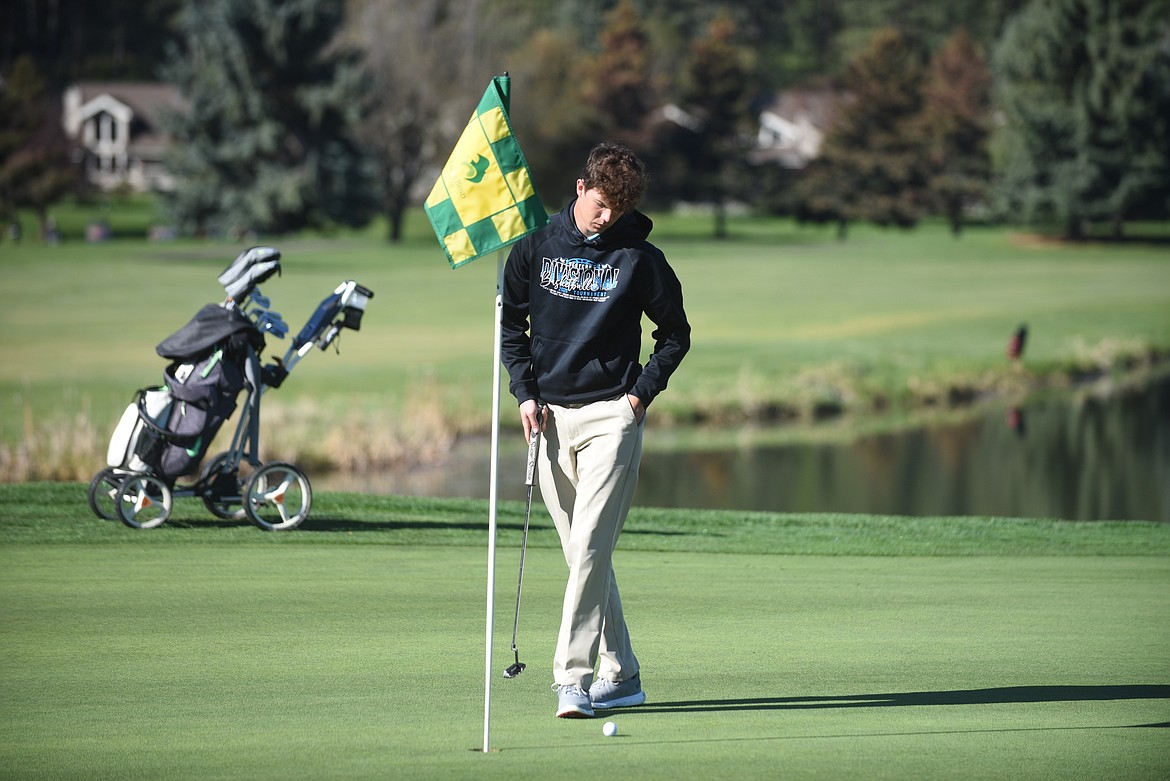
[(584, 299)]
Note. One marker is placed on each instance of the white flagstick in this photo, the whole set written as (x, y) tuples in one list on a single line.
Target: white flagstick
[(492, 496)]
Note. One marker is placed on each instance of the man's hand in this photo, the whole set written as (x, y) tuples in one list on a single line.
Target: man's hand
[(637, 406), (533, 418)]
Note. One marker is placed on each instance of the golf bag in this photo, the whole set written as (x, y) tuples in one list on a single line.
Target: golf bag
[(165, 433), (167, 429)]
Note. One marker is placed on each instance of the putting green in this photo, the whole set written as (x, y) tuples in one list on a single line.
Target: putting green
[(251, 660)]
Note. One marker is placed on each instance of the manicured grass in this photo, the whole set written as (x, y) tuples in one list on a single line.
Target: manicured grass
[(353, 648)]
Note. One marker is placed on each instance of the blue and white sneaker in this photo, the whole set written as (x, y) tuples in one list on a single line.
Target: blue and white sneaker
[(605, 694), (572, 703)]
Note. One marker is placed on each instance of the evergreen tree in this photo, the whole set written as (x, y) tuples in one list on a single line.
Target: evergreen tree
[(930, 23), (807, 36), (716, 91), (957, 116), (571, 95), (71, 40), (268, 141), (616, 83), (872, 164), (1084, 90)]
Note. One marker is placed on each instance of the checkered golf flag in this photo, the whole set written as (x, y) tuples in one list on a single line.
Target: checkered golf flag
[(484, 199)]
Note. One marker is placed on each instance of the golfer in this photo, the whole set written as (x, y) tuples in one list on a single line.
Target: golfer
[(574, 294)]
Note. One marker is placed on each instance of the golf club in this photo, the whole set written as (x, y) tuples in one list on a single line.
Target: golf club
[(529, 480)]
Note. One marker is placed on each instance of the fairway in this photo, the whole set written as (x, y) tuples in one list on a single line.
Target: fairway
[(786, 321), (354, 649)]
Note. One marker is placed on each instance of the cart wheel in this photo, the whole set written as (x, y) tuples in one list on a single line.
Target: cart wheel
[(103, 493), (278, 496), (144, 502), (223, 496)]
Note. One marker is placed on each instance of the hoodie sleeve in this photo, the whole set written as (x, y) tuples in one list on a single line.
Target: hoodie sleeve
[(663, 303), (515, 345)]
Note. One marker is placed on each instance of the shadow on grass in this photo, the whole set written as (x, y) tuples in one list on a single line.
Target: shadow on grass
[(335, 525), (342, 525), (1011, 694), (326, 525)]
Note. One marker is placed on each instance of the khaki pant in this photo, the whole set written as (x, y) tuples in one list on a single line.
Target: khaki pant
[(588, 471)]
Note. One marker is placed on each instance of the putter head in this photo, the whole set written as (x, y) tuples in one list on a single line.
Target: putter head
[(514, 670)]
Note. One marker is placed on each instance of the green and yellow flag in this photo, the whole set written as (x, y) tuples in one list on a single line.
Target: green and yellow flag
[(484, 199)]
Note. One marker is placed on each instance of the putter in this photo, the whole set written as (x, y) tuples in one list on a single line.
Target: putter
[(529, 480)]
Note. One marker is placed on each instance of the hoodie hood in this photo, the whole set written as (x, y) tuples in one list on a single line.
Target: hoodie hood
[(631, 228)]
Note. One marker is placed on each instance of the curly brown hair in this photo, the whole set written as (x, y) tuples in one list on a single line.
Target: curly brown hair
[(617, 173)]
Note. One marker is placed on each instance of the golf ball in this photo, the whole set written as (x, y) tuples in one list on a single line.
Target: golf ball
[(609, 729)]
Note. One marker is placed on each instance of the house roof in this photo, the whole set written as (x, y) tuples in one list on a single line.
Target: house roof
[(793, 126), (145, 102), (147, 99), (818, 106)]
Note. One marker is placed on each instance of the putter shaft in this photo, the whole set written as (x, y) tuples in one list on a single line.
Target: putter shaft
[(530, 481)]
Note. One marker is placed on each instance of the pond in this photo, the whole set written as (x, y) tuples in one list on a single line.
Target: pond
[(1097, 454)]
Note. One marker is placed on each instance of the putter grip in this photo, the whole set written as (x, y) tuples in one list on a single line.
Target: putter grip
[(533, 446)]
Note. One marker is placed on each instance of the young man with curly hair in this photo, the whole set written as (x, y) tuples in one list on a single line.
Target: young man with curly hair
[(574, 294)]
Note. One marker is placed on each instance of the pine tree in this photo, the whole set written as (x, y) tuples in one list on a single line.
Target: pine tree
[(1083, 88), (267, 143), (957, 116), (872, 165), (616, 83), (717, 91)]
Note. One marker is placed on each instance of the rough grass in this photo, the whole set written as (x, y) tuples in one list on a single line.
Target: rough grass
[(790, 326)]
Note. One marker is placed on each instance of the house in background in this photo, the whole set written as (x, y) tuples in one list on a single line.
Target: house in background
[(117, 125), (793, 125)]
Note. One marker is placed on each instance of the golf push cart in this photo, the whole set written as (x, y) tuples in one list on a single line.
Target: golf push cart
[(165, 432)]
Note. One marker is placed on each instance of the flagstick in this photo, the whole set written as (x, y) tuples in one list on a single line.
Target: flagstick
[(492, 497)]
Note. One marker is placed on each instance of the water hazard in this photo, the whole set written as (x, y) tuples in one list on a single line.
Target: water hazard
[(1092, 455)]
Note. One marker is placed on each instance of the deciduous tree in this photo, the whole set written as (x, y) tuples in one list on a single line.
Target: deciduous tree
[(35, 166), (428, 63)]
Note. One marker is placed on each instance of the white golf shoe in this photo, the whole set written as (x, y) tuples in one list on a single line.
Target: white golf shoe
[(616, 694)]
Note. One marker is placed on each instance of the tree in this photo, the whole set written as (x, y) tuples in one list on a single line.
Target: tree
[(717, 92), (79, 39), (421, 93), (957, 116), (616, 83), (570, 96), (872, 166), (808, 34), (1083, 88), (929, 23), (554, 125), (35, 166), (268, 142)]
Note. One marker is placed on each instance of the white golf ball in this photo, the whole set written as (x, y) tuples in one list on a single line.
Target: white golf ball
[(609, 729)]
